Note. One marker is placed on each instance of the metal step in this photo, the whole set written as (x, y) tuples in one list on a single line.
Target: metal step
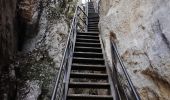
[(93, 30), (93, 22), (88, 67), (91, 10), (89, 85), (89, 76), (87, 40), (88, 55), (92, 15), (94, 61), (93, 27), (89, 97), (88, 49), (93, 19), (87, 37), (86, 44), (88, 33)]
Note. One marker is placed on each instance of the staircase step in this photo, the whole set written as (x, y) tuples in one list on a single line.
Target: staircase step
[(87, 40), (88, 49), (88, 54), (88, 67), (86, 44), (89, 97), (89, 76), (93, 30), (92, 15), (91, 12), (93, 19), (87, 36), (95, 61), (93, 22), (88, 33), (93, 27), (89, 85)]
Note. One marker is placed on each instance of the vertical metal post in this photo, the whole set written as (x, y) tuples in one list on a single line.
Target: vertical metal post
[(87, 13)]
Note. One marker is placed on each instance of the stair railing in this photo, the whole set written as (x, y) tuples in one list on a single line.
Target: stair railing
[(59, 87), (125, 88)]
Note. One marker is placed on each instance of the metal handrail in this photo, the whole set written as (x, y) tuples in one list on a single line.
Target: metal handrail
[(68, 52), (117, 55)]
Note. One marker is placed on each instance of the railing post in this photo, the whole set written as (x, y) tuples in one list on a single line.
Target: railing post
[(87, 16)]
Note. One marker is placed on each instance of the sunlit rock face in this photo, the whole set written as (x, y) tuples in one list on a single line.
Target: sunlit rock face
[(142, 34)]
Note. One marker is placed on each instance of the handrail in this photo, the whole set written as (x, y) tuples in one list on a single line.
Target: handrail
[(66, 56), (135, 93)]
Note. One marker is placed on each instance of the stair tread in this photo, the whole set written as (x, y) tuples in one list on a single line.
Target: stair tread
[(87, 35), (89, 85), (88, 39), (88, 75), (87, 43), (89, 97), (86, 65), (89, 53), (89, 47), (93, 61), (92, 96), (88, 58)]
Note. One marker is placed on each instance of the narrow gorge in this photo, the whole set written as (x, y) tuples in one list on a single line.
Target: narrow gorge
[(34, 36)]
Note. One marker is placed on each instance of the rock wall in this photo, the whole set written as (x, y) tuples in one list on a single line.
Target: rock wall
[(40, 59), (33, 34), (17, 19), (8, 35), (142, 34)]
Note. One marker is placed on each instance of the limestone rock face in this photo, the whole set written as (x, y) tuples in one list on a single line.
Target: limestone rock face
[(142, 34)]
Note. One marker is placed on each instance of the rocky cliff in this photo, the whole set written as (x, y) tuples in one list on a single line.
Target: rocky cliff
[(141, 29), (33, 36)]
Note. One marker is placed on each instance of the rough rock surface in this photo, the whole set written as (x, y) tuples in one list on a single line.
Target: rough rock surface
[(39, 61), (8, 35), (142, 35), (38, 29)]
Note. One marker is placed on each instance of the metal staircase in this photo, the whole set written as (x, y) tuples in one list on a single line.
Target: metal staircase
[(84, 74), (88, 71)]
